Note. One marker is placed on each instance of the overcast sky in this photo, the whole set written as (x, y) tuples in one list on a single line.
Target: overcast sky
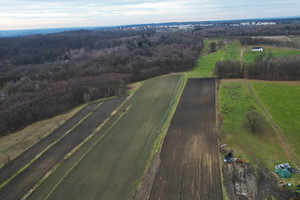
[(28, 14)]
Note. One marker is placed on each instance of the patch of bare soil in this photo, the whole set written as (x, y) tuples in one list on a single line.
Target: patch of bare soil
[(189, 166), (242, 184)]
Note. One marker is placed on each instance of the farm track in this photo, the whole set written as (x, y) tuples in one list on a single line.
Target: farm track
[(287, 148), (15, 165), (189, 166), (25, 180)]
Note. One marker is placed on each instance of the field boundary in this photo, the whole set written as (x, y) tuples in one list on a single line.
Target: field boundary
[(48, 147), (287, 148)]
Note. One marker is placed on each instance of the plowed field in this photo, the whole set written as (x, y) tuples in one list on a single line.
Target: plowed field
[(189, 158)]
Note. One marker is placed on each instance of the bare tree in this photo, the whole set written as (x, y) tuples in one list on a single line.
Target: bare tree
[(253, 121)]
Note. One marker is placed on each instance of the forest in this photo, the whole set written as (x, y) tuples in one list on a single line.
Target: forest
[(44, 75), (264, 68)]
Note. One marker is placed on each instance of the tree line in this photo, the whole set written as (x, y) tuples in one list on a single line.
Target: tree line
[(265, 68), (238, 31), (264, 41)]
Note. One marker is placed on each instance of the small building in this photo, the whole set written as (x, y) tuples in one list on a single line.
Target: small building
[(257, 49)]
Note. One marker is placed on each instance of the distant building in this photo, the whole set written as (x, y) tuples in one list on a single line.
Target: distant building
[(257, 49)]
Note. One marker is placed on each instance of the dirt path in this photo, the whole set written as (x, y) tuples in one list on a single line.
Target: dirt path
[(189, 158), (19, 162), (25, 180), (285, 145)]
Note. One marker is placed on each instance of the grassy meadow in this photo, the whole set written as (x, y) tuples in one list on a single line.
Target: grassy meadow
[(233, 51), (262, 148), (249, 56), (282, 101), (205, 65)]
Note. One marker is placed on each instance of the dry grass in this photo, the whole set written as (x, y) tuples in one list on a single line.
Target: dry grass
[(16, 143)]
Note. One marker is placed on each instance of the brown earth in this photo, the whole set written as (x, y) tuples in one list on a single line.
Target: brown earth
[(189, 166), (15, 165), (24, 181)]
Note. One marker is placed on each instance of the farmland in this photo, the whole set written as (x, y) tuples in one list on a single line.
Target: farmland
[(295, 38), (113, 161), (281, 99), (58, 144), (249, 56), (189, 158), (205, 65), (235, 100), (233, 51), (14, 144)]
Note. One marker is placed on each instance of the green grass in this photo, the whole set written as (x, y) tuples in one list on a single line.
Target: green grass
[(119, 152), (295, 38), (282, 101), (249, 56), (205, 65), (261, 149), (233, 51)]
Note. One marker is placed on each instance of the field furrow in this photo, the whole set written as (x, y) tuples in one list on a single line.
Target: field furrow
[(189, 158)]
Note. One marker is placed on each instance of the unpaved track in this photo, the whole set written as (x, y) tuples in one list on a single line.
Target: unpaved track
[(15, 165), (24, 181), (189, 157)]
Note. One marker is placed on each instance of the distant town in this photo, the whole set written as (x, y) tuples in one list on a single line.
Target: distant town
[(192, 26), (159, 27)]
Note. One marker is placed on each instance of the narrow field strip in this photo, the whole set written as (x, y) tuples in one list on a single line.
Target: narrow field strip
[(205, 65), (83, 156), (189, 166), (25, 180), (115, 165), (80, 145), (144, 189), (48, 147), (65, 158)]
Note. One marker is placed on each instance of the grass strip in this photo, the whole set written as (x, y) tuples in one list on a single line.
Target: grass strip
[(37, 156), (205, 65)]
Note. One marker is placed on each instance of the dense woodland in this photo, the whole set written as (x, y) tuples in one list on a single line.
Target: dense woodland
[(264, 41), (44, 75), (265, 68)]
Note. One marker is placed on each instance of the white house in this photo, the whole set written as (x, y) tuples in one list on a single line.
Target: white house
[(257, 49)]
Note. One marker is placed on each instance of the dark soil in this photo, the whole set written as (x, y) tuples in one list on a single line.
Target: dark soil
[(242, 184), (189, 166), (15, 165), (24, 181)]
